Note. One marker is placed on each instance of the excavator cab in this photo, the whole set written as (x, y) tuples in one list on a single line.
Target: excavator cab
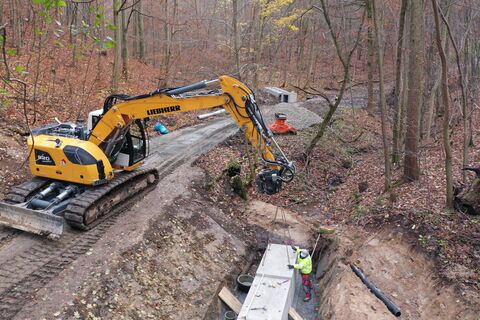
[(134, 149), (128, 152)]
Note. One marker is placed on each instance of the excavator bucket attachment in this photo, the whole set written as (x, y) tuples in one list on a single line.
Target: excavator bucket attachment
[(29, 220)]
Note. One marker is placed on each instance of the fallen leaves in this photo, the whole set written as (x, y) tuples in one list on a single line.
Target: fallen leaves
[(418, 206)]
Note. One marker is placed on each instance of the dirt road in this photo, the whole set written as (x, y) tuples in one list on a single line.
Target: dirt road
[(42, 278)]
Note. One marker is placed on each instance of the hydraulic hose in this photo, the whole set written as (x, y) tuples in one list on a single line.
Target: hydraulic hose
[(191, 87), (379, 294)]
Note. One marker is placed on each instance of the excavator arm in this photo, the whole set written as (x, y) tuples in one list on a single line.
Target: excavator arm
[(233, 95)]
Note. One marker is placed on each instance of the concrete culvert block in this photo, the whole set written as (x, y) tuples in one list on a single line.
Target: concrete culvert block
[(273, 287)]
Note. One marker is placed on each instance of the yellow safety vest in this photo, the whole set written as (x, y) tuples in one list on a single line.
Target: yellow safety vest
[(304, 265)]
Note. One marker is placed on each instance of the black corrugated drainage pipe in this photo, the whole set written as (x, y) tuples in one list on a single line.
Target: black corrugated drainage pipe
[(379, 294)]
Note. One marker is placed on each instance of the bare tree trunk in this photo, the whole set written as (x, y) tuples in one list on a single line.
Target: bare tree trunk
[(286, 65), (302, 35), (167, 41), (258, 52), (135, 51), (141, 32), (124, 45), (431, 106), (469, 57), (371, 57), (383, 102), (210, 23), (404, 85), (1, 12), (312, 59), (433, 101), (118, 44), (169, 33), (16, 17), (251, 41), (446, 116), (397, 116), (465, 111), (345, 60), (236, 37), (415, 90)]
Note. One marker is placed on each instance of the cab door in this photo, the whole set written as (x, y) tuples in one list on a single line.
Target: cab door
[(134, 148), (136, 143)]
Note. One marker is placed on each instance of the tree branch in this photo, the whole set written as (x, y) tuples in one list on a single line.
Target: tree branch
[(346, 74)]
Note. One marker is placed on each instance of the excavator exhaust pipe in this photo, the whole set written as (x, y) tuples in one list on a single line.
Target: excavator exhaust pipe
[(29, 220)]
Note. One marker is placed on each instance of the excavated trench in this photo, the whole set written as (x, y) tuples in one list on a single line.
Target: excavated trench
[(220, 311), (393, 264), (405, 275)]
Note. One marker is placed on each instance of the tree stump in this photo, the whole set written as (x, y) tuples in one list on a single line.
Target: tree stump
[(468, 200)]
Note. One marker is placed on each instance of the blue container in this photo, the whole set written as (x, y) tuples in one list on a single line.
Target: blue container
[(160, 128)]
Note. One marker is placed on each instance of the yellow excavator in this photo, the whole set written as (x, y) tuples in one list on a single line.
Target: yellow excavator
[(82, 173)]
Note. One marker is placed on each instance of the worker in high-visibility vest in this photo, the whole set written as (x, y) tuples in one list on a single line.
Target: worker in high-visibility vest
[(304, 265)]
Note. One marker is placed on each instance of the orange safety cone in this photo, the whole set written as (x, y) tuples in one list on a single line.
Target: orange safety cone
[(281, 126)]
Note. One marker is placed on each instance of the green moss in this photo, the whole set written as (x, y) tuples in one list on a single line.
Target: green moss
[(359, 211), (233, 168), (423, 240), (239, 186)]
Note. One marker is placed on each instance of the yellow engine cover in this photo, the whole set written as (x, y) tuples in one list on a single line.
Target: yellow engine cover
[(68, 159)]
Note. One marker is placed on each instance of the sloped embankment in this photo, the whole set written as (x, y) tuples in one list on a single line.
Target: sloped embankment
[(404, 274)]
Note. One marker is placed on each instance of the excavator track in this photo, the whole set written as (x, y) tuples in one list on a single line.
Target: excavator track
[(93, 206), (24, 274), (26, 190)]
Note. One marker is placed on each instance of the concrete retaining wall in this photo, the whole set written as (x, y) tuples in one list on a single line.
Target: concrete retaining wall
[(272, 291)]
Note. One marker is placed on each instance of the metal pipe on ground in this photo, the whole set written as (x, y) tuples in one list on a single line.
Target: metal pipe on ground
[(210, 114), (379, 294)]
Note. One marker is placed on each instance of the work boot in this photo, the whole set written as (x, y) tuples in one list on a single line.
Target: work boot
[(308, 297)]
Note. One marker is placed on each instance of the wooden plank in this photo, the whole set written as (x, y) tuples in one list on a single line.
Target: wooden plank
[(294, 314), (230, 300)]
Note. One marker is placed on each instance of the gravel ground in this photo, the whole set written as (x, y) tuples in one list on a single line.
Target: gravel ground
[(299, 117), (316, 105)]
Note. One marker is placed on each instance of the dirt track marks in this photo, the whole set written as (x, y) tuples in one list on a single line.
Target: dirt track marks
[(28, 271)]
